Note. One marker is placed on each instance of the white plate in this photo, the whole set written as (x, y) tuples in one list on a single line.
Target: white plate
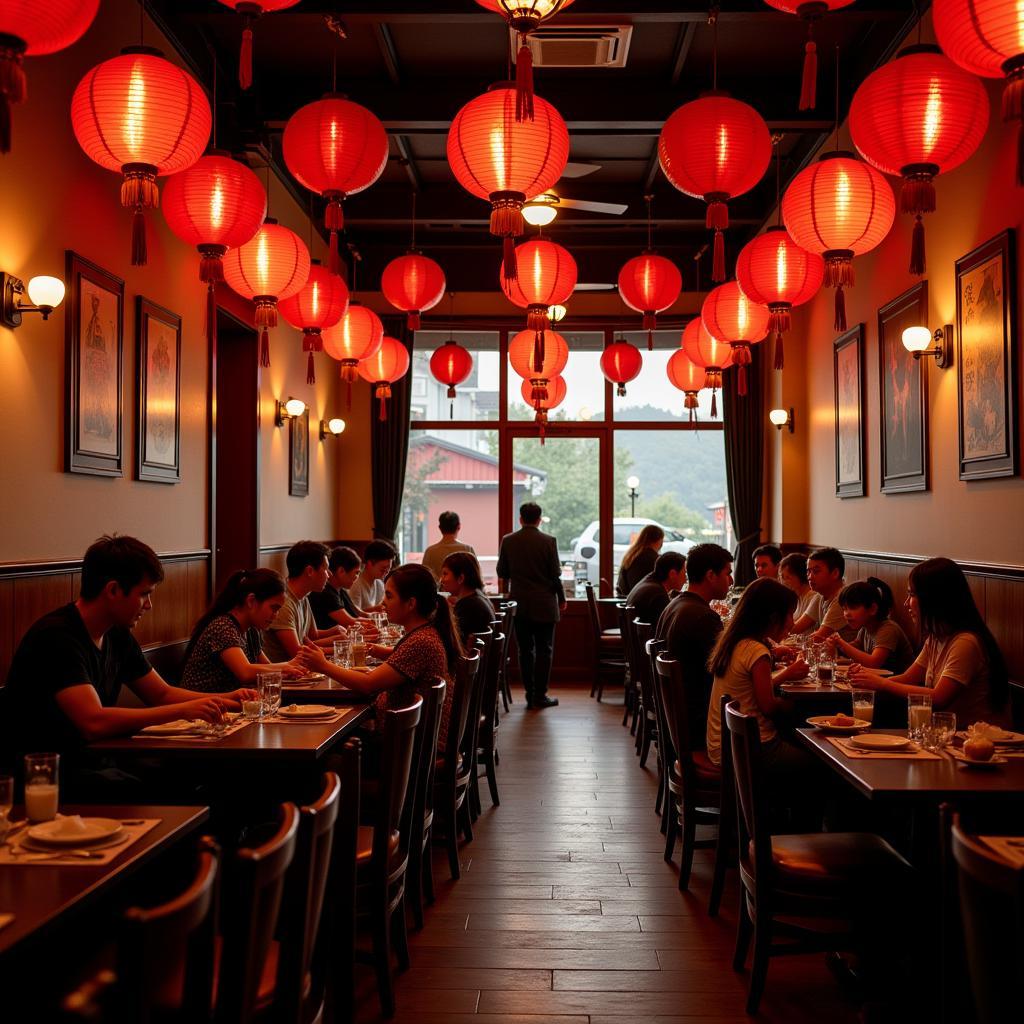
[(93, 830), (879, 741), (309, 677), (307, 711), (179, 727), (823, 722)]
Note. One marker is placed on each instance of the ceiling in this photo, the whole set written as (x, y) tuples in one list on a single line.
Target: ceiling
[(414, 63)]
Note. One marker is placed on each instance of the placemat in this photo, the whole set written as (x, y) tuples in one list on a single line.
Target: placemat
[(284, 720), (917, 754), (12, 853), (239, 723), (1010, 848)]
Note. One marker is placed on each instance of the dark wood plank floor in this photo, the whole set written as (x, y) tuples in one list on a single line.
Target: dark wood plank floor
[(566, 912)]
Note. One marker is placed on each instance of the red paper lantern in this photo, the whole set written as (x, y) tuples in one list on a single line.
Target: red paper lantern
[(715, 148), (413, 283), (621, 363), (32, 28), (250, 11), (553, 398), (918, 116), (686, 375), (775, 272), (271, 266), (388, 364), (356, 336), (703, 349), (810, 11), (729, 315), (547, 277), (335, 148), (538, 368), (142, 116), (840, 207), (451, 364), (495, 157), (650, 283), (320, 303)]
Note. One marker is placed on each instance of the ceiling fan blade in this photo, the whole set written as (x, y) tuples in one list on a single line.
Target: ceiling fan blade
[(592, 207), (591, 286), (579, 170)]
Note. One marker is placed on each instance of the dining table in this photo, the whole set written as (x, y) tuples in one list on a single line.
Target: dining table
[(323, 690)]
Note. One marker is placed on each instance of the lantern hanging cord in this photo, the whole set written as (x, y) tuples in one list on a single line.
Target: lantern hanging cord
[(713, 22), (649, 200), (414, 218), (777, 142), (451, 314), (837, 97), (142, 23), (214, 98)]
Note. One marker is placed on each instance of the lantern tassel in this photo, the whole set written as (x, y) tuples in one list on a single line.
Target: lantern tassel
[(245, 56), (714, 403), (509, 265), (538, 351), (265, 348), (139, 192), (537, 318), (211, 316), (718, 257), (779, 319), (413, 320), (140, 253), (918, 262), (334, 221), (383, 394), (310, 369), (809, 80), (211, 266), (524, 82), (650, 325), (741, 359), (620, 389), (839, 275), (266, 317), (691, 404), (12, 86), (779, 354)]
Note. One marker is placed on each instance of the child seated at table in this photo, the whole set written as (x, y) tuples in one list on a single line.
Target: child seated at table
[(880, 642)]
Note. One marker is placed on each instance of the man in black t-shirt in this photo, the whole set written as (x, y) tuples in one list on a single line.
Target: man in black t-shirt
[(332, 606), (650, 596)]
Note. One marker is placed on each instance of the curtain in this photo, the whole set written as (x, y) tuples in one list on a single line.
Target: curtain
[(744, 422), (390, 440)]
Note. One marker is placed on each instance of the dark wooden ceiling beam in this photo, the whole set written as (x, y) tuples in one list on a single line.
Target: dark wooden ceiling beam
[(683, 44)]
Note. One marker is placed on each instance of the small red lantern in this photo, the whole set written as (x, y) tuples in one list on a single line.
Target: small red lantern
[(272, 266), (775, 272), (413, 283), (451, 364), (522, 356), (621, 363), (320, 303), (250, 11), (356, 336), (142, 116), (729, 315), (810, 11), (715, 148), (686, 375), (918, 116), (387, 365), (32, 28), (702, 348), (840, 207), (553, 398), (650, 283), (495, 157)]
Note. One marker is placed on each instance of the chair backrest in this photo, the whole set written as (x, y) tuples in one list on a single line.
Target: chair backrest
[(669, 686), (489, 695), (169, 660), (469, 739), (426, 755), (643, 632), (466, 673), (398, 738), (595, 618), (748, 777), (626, 614), (252, 891)]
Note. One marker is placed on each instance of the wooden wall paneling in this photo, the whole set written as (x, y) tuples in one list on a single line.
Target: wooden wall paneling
[(198, 590), (1004, 604), (6, 627), (978, 589), (169, 618), (273, 558), (34, 596)]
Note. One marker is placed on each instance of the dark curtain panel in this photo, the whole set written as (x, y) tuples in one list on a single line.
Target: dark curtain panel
[(744, 421), (390, 440)]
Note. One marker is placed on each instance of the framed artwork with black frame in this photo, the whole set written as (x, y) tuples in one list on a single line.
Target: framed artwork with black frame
[(986, 359), (903, 392), (298, 455), (848, 373), (158, 396), (94, 358)]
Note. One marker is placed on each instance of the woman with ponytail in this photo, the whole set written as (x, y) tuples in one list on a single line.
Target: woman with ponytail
[(225, 647), (880, 642)]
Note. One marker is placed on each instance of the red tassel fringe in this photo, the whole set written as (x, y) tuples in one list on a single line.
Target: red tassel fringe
[(140, 253), (718, 258), (310, 370), (779, 354), (809, 80), (524, 82), (12, 90), (538, 352), (245, 57), (839, 275), (537, 318), (509, 266), (918, 262), (413, 320), (383, 394), (265, 348), (714, 403)]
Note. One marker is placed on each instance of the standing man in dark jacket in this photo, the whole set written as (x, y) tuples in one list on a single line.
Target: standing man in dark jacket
[(531, 574)]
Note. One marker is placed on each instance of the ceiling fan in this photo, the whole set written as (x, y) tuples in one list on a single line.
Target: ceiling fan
[(542, 209)]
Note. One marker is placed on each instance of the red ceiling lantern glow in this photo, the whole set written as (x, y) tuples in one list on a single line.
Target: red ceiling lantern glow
[(840, 207), (142, 116), (686, 375), (250, 11), (650, 283), (495, 157), (621, 363), (775, 272), (335, 148), (356, 336), (918, 116), (522, 354), (413, 283), (729, 315), (320, 303), (553, 398), (272, 266), (451, 364), (32, 28), (703, 349), (388, 364), (715, 148)]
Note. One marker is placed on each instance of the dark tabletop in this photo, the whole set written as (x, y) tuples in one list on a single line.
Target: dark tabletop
[(326, 691), (40, 895)]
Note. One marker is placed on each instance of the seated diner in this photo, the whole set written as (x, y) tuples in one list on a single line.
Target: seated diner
[(460, 579)]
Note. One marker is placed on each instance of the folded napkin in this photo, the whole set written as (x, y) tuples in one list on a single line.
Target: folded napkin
[(179, 727)]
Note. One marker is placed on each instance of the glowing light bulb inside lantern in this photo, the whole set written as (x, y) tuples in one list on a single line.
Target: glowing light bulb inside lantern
[(933, 115), (136, 111), (217, 205)]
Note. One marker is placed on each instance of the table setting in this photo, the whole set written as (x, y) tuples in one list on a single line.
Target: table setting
[(73, 840), (322, 714)]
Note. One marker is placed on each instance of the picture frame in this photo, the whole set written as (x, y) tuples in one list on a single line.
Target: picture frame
[(94, 368), (298, 455), (158, 393), (903, 395), (986, 359), (848, 378)]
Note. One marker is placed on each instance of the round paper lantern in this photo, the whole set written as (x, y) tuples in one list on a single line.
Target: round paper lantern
[(335, 148), (142, 116), (715, 148), (774, 271), (839, 207), (250, 11), (729, 315), (686, 375), (538, 369), (321, 302), (495, 157), (703, 349), (547, 277), (918, 116), (650, 283), (553, 398), (621, 363), (271, 266), (31, 28), (356, 336), (388, 364), (451, 364), (413, 283), (810, 11)]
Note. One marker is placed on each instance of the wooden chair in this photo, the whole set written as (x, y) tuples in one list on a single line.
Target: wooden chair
[(469, 752), (487, 738), (651, 649), (647, 729), (725, 844), (609, 654), (169, 660), (631, 698), (508, 615)]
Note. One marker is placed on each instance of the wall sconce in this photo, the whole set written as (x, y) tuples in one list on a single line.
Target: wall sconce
[(781, 418), (917, 339), (45, 294), (288, 410), (331, 428)]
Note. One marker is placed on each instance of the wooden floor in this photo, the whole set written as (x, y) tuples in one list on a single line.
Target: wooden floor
[(566, 912)]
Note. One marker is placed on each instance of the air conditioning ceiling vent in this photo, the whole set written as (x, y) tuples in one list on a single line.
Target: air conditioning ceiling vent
[(580, 46)]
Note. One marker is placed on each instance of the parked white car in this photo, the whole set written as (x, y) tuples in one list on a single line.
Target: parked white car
[(586, 547)]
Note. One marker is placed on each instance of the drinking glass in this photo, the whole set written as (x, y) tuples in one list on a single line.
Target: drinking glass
[(863, 704), (826, 667), (919, 715), (6, 803), (270, 692), (41, 786), (343, 653), (940, 732)]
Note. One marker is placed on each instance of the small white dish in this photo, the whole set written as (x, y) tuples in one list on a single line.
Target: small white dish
[(879, 741), (179, 727), (74, 831), (307, 711)]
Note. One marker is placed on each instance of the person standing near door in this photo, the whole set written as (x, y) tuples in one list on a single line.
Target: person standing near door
[(531, 574)]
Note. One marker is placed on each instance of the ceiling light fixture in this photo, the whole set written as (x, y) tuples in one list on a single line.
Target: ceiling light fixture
[(541, 210)]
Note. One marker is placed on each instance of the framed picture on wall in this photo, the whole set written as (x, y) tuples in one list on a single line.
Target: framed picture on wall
[(93, 350), (298, 455), (848, 372), (158, 396), (986, 332), (903, 388)]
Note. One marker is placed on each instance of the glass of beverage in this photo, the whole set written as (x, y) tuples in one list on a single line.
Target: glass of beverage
[(6, 803), (826, 668), (941, 730), (41, 782), (343, 653), (863, 704), (269, 687), (919, 715), (358, 652)]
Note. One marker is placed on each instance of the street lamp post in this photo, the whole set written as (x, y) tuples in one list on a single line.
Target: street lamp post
[(633, 484)]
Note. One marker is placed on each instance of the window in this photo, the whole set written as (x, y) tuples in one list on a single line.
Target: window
[(584, 396), (476, 398)]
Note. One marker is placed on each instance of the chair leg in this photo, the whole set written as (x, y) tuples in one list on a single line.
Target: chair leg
[(640, 730), (593, 685), (689, 837), (759, 967), (634, 725), (672, 828), (381, 929), (400, 936), (661, 795), (721, 865), (743, 930), (645, 747), (414, 887), (626, 700), (492, 778), (452, 841), (465, 822), (428, 873)]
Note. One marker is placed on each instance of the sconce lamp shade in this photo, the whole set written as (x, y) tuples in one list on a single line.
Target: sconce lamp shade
[(557, 313), (917, 339), (413, 283), (45, 292), (650, 283), (541, 210), (778, 417), (336, 426), (295, 407)]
